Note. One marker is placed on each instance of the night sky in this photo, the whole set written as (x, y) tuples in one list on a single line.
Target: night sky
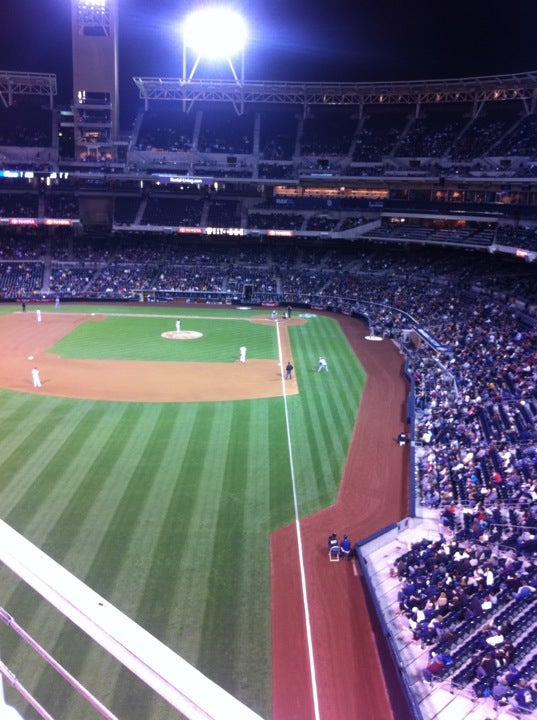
[(335, 40)]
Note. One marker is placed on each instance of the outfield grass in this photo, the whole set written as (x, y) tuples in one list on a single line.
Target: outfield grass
[(166, 510)]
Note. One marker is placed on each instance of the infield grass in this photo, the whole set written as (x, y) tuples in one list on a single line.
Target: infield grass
[(166, 510), (140, 338)]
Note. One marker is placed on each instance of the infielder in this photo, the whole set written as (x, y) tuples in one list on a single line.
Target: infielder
[(242, 354), (35, 378), (38, 314)]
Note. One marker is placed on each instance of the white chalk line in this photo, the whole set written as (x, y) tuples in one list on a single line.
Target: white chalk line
[(299, 540)]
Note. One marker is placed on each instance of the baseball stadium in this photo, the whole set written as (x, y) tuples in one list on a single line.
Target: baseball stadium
[(268, 392)]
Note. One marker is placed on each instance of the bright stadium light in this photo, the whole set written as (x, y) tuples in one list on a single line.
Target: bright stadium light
[(92, 4), (215, 32), (92, 14)]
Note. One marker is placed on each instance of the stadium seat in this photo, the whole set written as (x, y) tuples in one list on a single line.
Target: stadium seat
[(333, 553)]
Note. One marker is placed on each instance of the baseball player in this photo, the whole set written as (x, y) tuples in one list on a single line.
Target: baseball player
[(323, 365), (35, 378), (242, 354)]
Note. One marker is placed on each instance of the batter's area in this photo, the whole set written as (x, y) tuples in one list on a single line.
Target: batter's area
[(128, 380)]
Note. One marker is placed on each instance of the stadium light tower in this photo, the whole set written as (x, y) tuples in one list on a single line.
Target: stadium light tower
[(215, 33), (95, 79)]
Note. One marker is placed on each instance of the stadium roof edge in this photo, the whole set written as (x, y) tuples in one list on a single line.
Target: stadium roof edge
[(518, 86), (14, 83)]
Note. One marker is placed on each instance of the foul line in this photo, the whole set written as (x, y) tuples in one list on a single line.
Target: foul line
[(299, 538)]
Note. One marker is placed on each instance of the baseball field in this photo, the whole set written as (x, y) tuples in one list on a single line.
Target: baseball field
[(154, 466)]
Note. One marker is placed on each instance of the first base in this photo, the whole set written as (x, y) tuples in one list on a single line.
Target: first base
[(30, 357)]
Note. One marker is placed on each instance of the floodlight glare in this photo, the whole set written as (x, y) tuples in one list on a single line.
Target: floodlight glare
[(215, 32), (92, 4)]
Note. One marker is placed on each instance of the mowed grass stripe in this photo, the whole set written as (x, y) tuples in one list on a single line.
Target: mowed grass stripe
[(281, 489), (74, 536), (18, 425), (71, 534), (140, 555), (158, 603), (186, 534), (177, 589), (44, 501), (352, 375), (88, 550), (97, 489), (253, 638), (105, 483), (117, 541), (229, 558), (145, 438), (327, 420), (159, 521), (314, 474), (324, 413), (44, 431), (316, 415), (178, 544), (201, 539), (15, 409)]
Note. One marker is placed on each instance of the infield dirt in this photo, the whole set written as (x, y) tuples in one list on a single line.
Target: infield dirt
[(128, 380)]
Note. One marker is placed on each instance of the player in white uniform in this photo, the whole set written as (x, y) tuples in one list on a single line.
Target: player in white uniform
[(35, 378)]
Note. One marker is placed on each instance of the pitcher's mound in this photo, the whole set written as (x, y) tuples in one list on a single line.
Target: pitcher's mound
[(182, 335)]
